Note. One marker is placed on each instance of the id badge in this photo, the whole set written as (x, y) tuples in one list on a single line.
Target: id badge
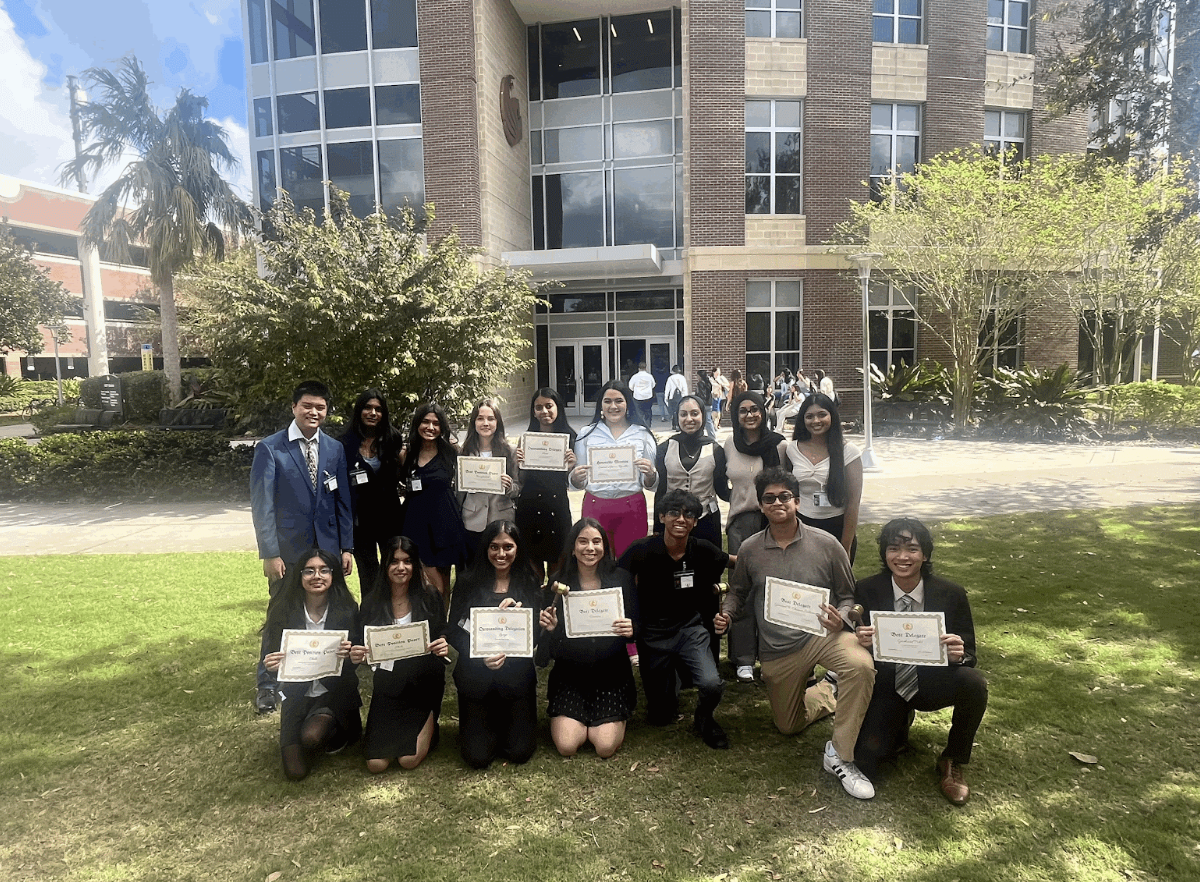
[(331, 483), (359, 476), (415, 485), (685, 580), (821, 500)]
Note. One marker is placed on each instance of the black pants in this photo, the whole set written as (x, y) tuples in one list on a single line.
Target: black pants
[(658, 659), (885, 727), (497, 726)]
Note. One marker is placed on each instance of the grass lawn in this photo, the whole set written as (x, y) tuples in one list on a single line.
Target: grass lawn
[(129, 749)]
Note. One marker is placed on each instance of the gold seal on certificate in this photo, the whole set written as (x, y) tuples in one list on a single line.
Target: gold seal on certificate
[(501, 632), (794, 605), (910, 638), (612, 465), (481, 474), (545, 451), (592, 613), (388, 642), (310, 655)]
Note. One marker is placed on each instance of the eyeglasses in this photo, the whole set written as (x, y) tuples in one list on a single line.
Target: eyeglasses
[(678, 513), (743, 412), (772, 498), (309, 572)]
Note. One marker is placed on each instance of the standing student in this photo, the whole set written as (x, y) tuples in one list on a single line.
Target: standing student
[(704, 391), (431, 513), (406, 694), (497, 696), (485, 437), (829, 470), (642, 385), (299, 499), (591, 693), (318, 715), (372, 447), (619, 506), (676, 388), (543, 508)]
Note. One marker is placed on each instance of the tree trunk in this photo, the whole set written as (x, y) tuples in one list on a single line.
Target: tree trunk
[(170, 339)]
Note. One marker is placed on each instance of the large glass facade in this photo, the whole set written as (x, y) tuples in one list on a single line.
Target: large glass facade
[(606, 116), (293, 26), (343, 26), (303, 176), (394, 23)]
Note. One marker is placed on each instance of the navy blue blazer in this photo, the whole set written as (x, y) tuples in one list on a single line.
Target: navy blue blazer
[(289, 516), (875, 593)]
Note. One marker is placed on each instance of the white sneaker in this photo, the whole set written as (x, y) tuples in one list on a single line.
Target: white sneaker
[(745, 673), (854, 782)]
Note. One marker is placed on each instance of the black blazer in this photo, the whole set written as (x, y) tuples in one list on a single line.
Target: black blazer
[(875, 593), (345, 683)]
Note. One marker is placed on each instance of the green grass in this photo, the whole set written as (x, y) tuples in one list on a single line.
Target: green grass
[(129, 750)]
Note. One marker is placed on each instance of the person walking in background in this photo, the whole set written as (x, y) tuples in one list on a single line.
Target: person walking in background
[(704, 391), (676, 388), (720, 386), (642, 384), (299, 499)]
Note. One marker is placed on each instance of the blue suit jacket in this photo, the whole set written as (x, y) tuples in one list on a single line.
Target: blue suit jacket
[(289, 517)]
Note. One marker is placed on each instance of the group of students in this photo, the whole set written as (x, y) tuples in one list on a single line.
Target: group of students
[(509, 547)]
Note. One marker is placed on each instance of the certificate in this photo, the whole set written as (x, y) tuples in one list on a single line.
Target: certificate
[(310, 655), (545, 451), (386, 642), (592, 613), (910, 638), (795, 605), (612, 465), (481, 474), (501, 632)]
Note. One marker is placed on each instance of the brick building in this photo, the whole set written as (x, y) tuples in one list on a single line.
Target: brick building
[(679, 169)]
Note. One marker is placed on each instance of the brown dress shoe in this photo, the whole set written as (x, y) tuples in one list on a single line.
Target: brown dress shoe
[(954, 786)]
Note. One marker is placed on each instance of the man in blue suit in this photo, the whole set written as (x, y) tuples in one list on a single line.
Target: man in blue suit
[(300, 498)]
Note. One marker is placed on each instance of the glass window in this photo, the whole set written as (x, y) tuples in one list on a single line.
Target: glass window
[(774, 18), (352, 168), (644, 206), (562, 304), (575, 210), (640, 300), (897, 21), (345, 108), (773, 158), (773, 322), (394, 23), (266, 179), (298, 113), (292, 22), (256, 12), (398, 105), (640, 48), (655, 138), (892, 326), (574, 145), (1003, 350), (343, 26), (263, 126), (1008, 25), (402, 174), (303, 176), (895, 142), (1004, 134), (571, 59)]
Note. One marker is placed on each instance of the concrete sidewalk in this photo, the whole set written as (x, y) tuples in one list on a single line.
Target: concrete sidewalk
[(936, 480)]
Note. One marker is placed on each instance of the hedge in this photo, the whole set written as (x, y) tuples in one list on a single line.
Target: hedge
[(143, 394), (126, 467), (1156, 405), (27, 390)]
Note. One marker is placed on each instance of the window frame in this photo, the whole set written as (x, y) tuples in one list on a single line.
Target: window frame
[(894, 133), (774, 176), (900, 306), (774, 355), (774, 11), (1006, 29), (1002, 144), (895, 17)]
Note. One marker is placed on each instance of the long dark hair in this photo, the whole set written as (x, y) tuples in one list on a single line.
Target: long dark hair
[(560, 424), (288, 601), (632, 414), (567, 570), (481, 576), (500, 445), (426, 601), (835, 446), (445, 444), (388, 439)]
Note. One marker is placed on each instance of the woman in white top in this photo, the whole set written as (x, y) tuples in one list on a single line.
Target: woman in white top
[(620, 506), (485, 437), (829, 470)]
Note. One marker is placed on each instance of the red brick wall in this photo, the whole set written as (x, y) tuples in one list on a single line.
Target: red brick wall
[(718, 321), (957, 36), (832, 338), (446, 33), (1051, 336), (1067, 134)]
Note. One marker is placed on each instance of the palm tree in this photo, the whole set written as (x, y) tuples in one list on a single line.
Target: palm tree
[(178, 202)]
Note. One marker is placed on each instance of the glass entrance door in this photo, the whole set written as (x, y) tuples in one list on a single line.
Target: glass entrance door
[(656, 353), (580, 369)]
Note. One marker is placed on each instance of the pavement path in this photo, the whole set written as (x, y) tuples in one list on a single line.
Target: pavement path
[(935, 480)]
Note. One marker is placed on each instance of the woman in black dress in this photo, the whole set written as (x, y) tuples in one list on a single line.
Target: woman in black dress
[(497, 696), (543, 509), (317, 715), (431, 514), (591, 690), (372, 446), (406, 695)]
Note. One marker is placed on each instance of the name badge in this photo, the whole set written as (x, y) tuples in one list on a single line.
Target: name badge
[(685, 580), (359, 476), (821, 500), (415, 485), (331, 483)]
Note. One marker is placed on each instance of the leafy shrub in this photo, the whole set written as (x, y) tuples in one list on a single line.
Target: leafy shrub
[(89, 391), (1156, 405), (126, 466), (8, 386), (1037, 404), (26, 391), (52, 416), (143, 394)]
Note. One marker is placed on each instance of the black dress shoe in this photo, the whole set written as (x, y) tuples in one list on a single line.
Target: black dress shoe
[(264, 701), (712, 734)]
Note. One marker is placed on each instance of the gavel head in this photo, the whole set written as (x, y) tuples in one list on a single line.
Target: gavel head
[(560, 589), (856, 614)]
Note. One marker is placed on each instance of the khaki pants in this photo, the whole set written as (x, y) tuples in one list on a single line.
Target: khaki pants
[(795, 707)]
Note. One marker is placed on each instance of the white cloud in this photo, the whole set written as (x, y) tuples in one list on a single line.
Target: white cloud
[(239, 144)]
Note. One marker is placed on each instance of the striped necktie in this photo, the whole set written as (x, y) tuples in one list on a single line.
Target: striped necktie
[(906, 675)]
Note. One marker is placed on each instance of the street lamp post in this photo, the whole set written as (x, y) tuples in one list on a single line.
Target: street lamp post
[(870, 463)]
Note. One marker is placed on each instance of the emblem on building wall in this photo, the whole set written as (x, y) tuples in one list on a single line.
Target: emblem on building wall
[(510, 112)]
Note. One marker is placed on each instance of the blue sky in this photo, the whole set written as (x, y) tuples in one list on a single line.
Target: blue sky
[(195, 44)]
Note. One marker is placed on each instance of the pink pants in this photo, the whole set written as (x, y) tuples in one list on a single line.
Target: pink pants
[(624, 519)]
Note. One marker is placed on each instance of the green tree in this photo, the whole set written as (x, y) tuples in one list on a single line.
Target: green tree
[(360, 302), (28, 298), (171, 199), (1181, 293), (960, 233)]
